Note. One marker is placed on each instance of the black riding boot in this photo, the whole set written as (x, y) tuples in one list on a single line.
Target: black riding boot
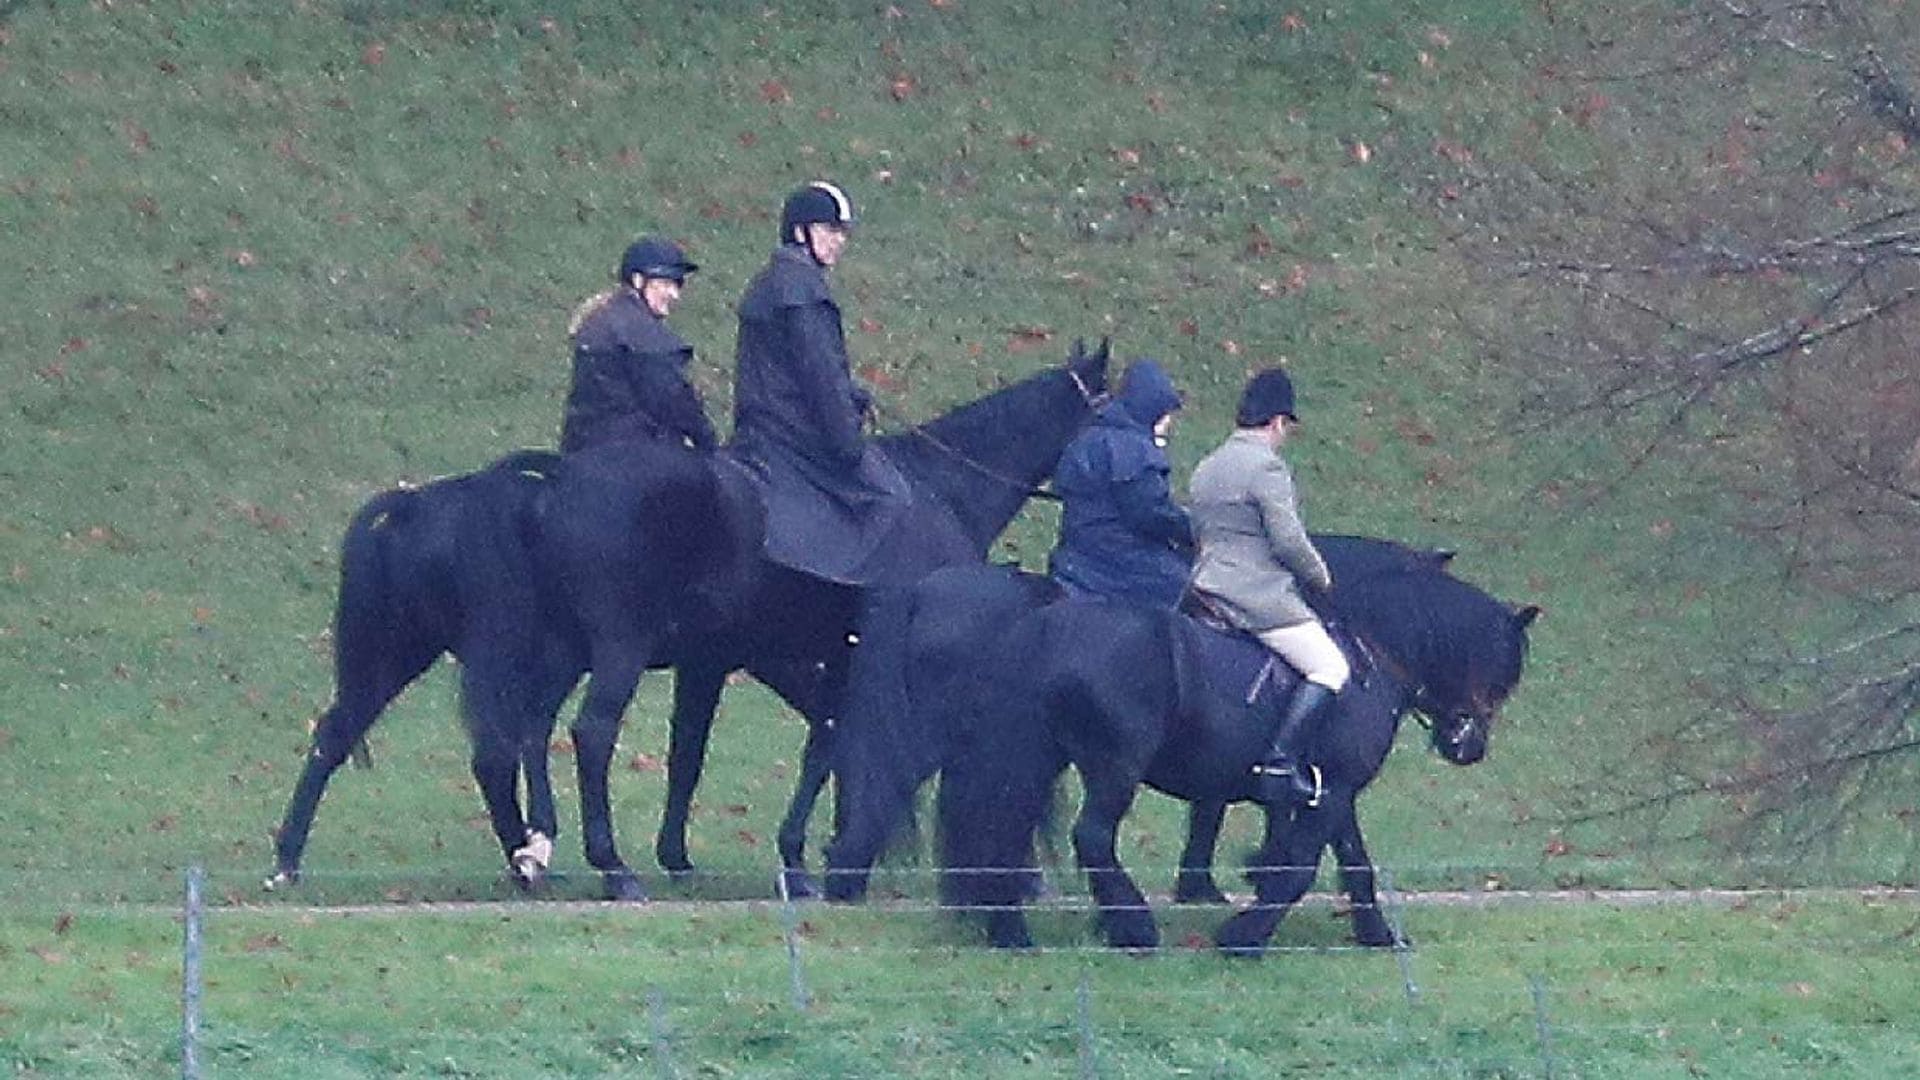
[(1281, 777)]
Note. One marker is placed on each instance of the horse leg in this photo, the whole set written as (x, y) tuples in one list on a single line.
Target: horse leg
[(815, 764), (1283, 869), (1124, 914), (696, 694), (531, 859), (596, 729), (1195, 884), (361, 697), (1370, 926)]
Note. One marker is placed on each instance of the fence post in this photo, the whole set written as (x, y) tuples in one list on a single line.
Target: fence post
[(791, 918), (1538, 987), (190, 976), (657, 1014), (1089, 1064), (1402, 952)]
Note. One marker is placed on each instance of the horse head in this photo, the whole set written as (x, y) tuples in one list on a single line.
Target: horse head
[(1088, 370), (1460, 712), (1459, 651)]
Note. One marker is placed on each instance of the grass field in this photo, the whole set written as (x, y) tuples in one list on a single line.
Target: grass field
[(267, 259)]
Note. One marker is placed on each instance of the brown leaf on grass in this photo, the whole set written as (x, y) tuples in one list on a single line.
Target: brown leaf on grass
[(1026, 140), (902, 87), (1189, 327), (267, 942), (1292, 22), (737, 809), (51, 956), (165, 823), (747, 139), (871, 326), (62, 923), (374, 54), (646, 763), (146, 207), (1258, 242), (1157, 102), (137, 138), (560, 744), (775, 92), (1557, 846), (1296, 278), (748, 838)]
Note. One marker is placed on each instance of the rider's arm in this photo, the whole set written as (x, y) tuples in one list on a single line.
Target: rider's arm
[(1286, 535), (819, 357)]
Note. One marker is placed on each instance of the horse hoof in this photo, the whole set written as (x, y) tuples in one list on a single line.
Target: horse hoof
[(1241, 937), (625, 888), (846, 886), (1132, 933), (530, 861), (281, 879), (797, 885)]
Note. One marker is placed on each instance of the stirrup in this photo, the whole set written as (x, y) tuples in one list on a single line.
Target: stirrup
[(1297, 791)]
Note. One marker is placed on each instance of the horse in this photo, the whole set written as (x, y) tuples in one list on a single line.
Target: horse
[(1126, 696), (540, 570), (906, 710)]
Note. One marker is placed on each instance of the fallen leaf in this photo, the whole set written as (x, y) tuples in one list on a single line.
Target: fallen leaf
[(775, 92), (374, 54)]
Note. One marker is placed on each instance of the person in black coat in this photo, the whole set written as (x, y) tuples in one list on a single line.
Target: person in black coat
[(1122, 536), (837, 508), (629, 367)]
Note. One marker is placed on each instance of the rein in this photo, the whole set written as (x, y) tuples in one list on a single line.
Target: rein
[(1092, 400)]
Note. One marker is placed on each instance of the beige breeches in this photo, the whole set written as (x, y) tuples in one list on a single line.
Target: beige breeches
[(1310, 649)]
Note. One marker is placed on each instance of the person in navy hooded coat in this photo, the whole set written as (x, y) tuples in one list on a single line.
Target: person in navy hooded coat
[(1121, 534)]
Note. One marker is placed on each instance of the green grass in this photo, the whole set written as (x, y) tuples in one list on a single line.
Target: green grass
[(267, 259), (1768, 989)]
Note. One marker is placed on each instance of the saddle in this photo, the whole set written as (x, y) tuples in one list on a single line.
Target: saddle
[(1242, 669)]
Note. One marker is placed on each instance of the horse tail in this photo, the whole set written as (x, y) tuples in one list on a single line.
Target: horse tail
[(878, 763), (378, 642), (995, 793)]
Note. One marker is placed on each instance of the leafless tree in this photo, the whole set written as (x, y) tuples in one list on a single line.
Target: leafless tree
[(1713, 242)]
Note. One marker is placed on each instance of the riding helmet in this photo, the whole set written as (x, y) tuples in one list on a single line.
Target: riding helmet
[(655, 257), (1268, 394), (818, 203)]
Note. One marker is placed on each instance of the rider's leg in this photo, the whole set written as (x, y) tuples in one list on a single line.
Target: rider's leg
[(1311, 651)]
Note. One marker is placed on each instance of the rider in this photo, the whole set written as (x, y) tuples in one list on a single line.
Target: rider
[(1121, 535), (1255, 560), (835, 504), (629, 367)]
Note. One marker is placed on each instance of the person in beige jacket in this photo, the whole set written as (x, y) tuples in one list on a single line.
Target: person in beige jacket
[(1255, 558)]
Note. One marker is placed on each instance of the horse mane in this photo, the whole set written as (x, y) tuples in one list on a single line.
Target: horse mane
[(1451, 636)]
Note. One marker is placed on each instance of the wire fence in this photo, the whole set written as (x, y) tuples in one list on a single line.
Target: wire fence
[(783, 970)]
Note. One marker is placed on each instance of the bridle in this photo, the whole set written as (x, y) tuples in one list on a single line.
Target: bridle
[(1091, 399)]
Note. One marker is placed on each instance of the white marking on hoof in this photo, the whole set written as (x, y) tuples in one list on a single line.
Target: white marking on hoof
[(530, 860), (279, 880)]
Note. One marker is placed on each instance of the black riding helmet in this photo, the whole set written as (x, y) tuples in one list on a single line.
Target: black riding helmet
[(818, 203), (654, 257), (1268, 394)]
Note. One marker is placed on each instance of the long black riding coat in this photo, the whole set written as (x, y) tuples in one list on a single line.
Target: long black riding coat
[(837, 508), (630, 380)]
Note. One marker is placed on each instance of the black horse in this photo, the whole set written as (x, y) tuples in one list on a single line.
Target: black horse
[(628, 557), (908, 709), (1127, 696)]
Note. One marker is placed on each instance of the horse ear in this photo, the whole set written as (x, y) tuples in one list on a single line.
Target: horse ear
[(1440, 557), (1525, 615)]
